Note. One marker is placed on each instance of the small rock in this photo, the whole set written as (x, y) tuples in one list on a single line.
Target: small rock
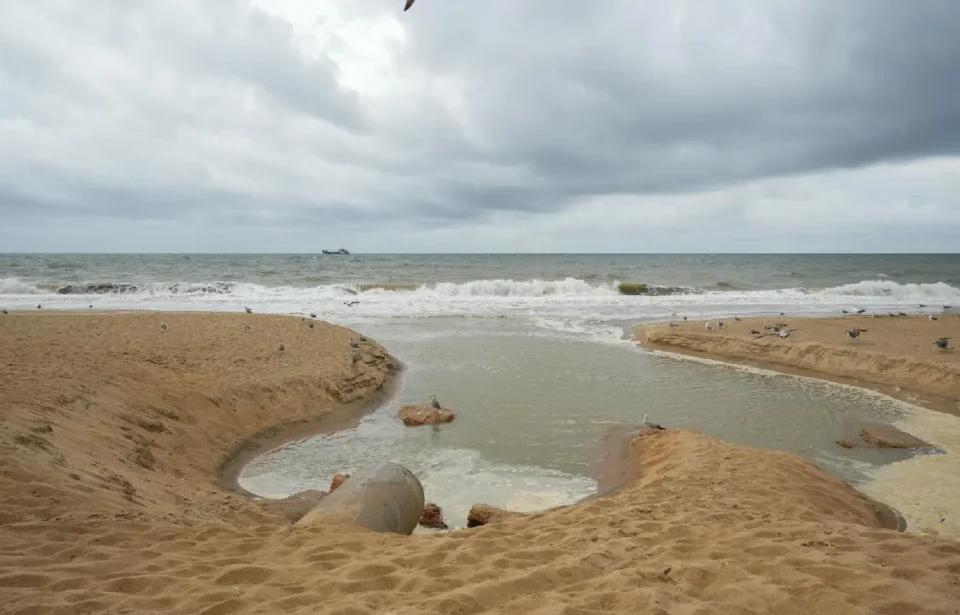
[(338, 479), (432, 517), (414, 415), (484, 514)]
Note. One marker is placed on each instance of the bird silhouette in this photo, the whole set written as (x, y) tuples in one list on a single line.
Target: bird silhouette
[(406, 7)]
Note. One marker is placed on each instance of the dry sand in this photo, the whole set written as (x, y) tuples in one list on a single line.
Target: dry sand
[(114, 435)]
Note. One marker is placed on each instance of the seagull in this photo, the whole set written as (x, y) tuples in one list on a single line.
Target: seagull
[(281, 347), (354, 357), (720, 323), (248, 310), (946, 307), (650, 424), (922, 305), (784, 334), (38, 306), (163, 326), (932, 317), (4, 310), (353, 343), (671, 324), (845, 312), (406, 7), (943, 343), (901, 313), (246, 327), (350, 303), (312, 315), (434, 402), (684, 317), (737, 318), (708, 326), (755, 332), (363, 337), (854, 334), (861, 310), (891, 315), (783, 313), (311, 325)]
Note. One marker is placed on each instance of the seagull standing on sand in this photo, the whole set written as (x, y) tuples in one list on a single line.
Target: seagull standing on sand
[(354, 357), (281, 347), (38, 306), (845, 312), (4, 310), (671, 324), (311, 325), (720, 323), (708, 326), (363, 337), (943, 343), (163, 326), (737, 318), (434, 402), (932, 317), (650, 424), (353, 343), (248, 310), (784, 334)]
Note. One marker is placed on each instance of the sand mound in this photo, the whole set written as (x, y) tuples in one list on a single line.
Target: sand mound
[(704, 527)]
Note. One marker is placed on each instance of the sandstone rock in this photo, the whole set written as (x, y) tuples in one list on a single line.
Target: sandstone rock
[(414, 415), (337, 481), (885, 437), (432, 517), (483, 514), (890, 437)]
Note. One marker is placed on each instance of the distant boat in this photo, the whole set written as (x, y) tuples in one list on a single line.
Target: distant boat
[(340, 251)]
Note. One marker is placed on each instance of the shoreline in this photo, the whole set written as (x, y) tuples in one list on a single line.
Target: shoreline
[(885, 370), (280, 435)]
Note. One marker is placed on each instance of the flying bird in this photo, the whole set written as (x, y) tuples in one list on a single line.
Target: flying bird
[(350, 303), (650, 424), (406, 7), (861, 310)]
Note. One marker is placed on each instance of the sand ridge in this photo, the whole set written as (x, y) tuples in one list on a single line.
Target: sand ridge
[(704, 526), (895, 352)]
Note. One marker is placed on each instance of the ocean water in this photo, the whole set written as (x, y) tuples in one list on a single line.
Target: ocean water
[(532, 353)]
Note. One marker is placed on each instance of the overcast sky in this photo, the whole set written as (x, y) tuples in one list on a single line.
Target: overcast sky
[(494, 125)]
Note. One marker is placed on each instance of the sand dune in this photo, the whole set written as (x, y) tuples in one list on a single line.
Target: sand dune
[(113, 435)]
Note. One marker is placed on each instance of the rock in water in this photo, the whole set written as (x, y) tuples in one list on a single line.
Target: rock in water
[(414, 415), (432, 517), (483, 514), (338, 479)]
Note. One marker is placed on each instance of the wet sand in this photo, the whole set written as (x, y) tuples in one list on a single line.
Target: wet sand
[(117, 440)]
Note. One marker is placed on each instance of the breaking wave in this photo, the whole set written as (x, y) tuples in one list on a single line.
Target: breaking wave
[(569, 287)]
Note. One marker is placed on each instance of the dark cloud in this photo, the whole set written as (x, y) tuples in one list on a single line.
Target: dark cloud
[(450, 117)]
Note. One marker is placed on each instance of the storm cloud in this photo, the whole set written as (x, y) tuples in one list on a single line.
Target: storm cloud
[(542, 125)]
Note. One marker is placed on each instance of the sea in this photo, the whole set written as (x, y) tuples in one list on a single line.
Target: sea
[(533, 352)]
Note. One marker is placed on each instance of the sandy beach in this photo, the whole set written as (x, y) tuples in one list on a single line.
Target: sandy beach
[(120, 441), (895, 355)]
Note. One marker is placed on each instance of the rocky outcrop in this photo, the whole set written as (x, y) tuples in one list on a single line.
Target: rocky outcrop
[(338, 479), (414, 415), (886, 437), (484, 514), (432, 517)]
